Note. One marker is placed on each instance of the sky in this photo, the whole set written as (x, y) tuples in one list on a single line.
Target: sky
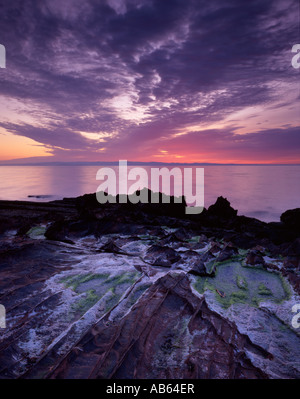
[(150, 80)]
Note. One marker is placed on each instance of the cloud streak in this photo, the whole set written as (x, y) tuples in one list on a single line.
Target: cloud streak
[(120, 79)]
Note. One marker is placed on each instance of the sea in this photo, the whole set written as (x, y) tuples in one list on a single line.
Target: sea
[(260, 191)]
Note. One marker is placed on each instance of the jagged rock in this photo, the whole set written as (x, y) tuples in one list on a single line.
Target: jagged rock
[(207, 256), (259, 248), (114, 225), (161, 256), (215, 248), (147, 270), (291, 263), (182, 234), (197, 245), (293, 278), (177, 237), (254, 257), (292, 256), (243, 240), (57, 231), (227, 253), (111, 247), (292, 249), (126, 240), (222, 209), (196, 263), (170, 240), (175, 240), (264, 326)]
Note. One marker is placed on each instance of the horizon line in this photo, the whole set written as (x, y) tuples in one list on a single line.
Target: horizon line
[(131, 163)]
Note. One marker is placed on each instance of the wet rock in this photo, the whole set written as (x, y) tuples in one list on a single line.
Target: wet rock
[(293, 278), (26, 226), (182, 234), (170, 240), (265, 327), (116, 224), (207, 256), (24, 268), (291, 263), (292, 249), (215, 248), (126, 240), (226, 253), (254, 258), (155, 231), (146, 269), (161, 256), (198, 245), (173, 241), (111, 247), (259, 248), (179, 236), (58, 231), (244, 240), (292, 256), (196, 264)]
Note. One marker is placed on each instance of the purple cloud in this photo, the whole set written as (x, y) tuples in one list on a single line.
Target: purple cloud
[(138, 72)]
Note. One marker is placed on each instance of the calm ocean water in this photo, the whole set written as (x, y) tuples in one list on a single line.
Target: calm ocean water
[(257, 191)]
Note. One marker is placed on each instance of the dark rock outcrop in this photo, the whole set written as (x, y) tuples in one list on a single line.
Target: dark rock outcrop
[(161, 256), (196, 263), (254, 258), (227, 253), (222, 209), (111, 247), (291, 219)]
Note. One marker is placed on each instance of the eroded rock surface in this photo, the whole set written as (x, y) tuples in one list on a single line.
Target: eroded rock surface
[(169, 297), (169, 333)]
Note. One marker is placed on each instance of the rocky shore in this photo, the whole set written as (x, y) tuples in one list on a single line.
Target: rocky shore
[(146, 291)]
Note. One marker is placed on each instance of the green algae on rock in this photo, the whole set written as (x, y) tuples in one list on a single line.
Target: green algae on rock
[(37, 232), (232, 275)]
